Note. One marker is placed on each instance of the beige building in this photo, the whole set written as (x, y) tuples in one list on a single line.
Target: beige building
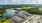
[(20, 17)]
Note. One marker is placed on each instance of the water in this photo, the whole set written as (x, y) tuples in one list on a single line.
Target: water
[(9, 13)]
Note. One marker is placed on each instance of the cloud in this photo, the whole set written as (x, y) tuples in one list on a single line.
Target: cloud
[(11, 2)]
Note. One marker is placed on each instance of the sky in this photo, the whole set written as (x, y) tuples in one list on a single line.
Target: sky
[(13, 2)]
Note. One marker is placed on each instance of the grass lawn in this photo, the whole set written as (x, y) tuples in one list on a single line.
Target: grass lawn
[(7, 21)]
